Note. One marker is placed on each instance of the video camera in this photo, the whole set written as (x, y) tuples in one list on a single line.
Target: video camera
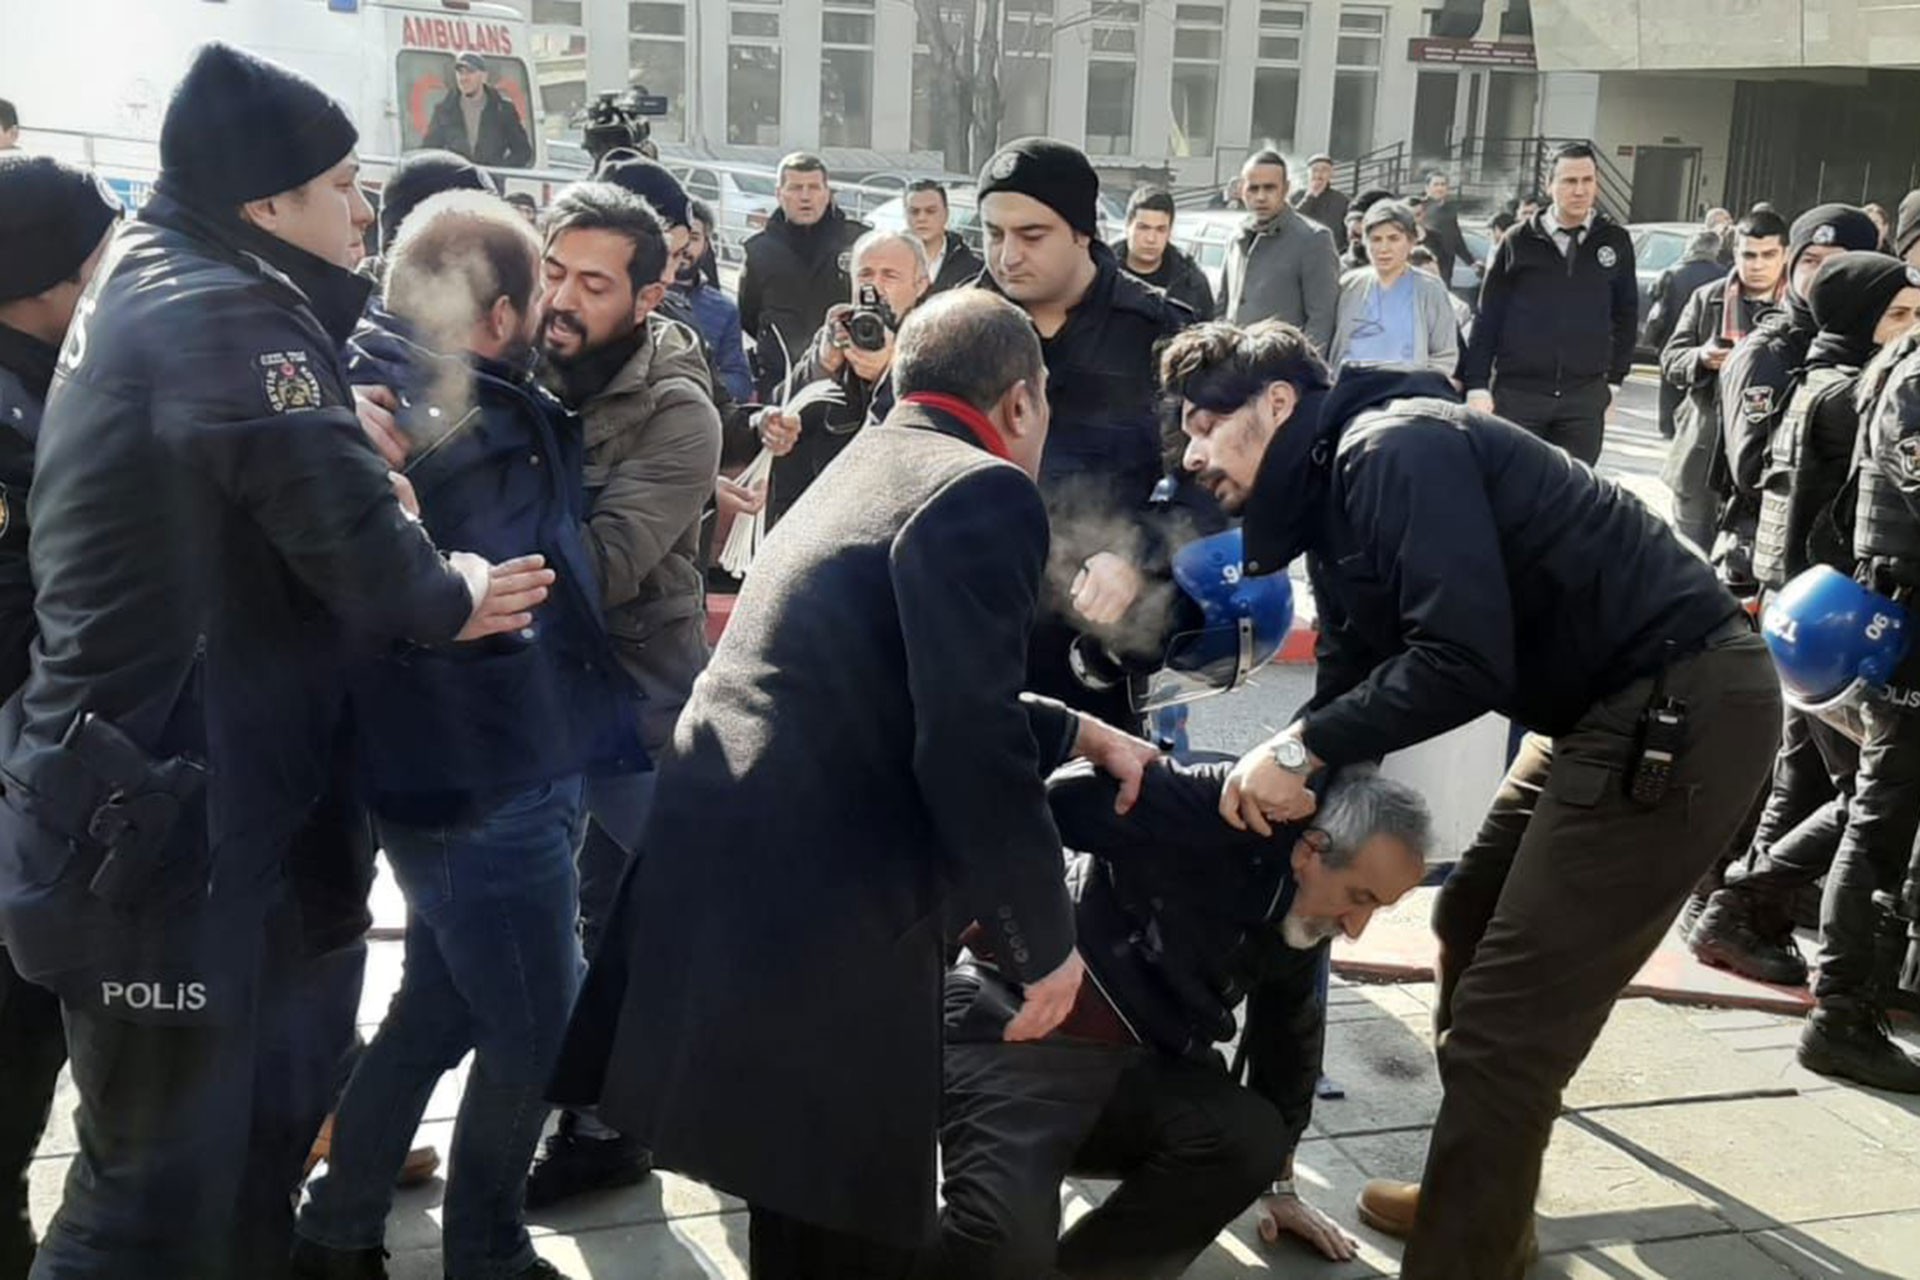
[(615, 120), (870, 321)]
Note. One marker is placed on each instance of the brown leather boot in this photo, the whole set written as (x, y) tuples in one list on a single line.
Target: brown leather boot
[(416, 1171), (1389, 1207)]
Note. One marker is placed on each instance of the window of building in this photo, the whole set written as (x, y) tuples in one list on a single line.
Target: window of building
[(846, 74), (1356, 80), (1198, 40), (753, 77), (1276, 75), (1026, 71), (1110, 77), (657, 57), (557, 13)]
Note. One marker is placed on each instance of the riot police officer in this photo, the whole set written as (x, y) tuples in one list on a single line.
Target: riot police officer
[(1860, 301), (1847, 1035), (209, 525), (54, 223), (1754, 381)]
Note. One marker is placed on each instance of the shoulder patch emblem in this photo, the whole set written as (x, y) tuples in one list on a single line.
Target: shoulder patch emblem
[(1906, 459), (1756, 403), (288, 379), (1607, 256)]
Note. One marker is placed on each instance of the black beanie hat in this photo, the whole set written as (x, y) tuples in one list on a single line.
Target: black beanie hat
[(1835, 224), (1906, 228), (420, 177), (52, 216), (1056, 174), (651, 182), (1853, 290), (241, 128)]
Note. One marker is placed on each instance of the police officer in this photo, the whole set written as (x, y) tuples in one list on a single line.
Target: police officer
[(209, 522), (1860, 301), (1463, 565), (54, 223), (1099, 328), (1754, 381), (1846, 1035)]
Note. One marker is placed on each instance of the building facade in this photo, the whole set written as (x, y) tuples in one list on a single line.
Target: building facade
[(1140, 84)]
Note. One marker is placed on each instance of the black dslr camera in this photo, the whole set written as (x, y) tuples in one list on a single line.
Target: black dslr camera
[(868, 324), (617, 121)]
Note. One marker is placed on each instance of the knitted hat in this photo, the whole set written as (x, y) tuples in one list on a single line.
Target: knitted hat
[(1831, 224), (420, 176), (242, 128), (1853, 290), (1056, 174), (652, 183), (52, 216)]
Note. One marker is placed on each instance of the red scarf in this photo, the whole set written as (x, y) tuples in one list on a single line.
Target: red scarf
[(1730, 326), (976, 421)]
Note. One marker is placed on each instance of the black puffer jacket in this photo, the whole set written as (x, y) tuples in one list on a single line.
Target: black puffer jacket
[(26, 372), (1177, 916), (1461, 565), (1179, 277), (792, 276), (1550, 322)]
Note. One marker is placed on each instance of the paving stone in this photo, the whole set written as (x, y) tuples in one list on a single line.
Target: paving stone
[(1650, 1053), (1726, 1257), (1735, 1156), (708, 1248), (1388, 1072), (1591, 1193), (1890, 1119), (1878, 1247), (1719, 1020)]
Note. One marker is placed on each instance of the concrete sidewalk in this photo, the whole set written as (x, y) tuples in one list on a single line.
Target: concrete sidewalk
[(1692, 1147)]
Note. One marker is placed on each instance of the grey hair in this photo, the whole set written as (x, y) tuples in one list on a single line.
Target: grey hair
[(874, 239), (1362, 804)]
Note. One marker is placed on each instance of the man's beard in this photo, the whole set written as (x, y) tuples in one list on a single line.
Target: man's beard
[(567, 322), (1304, 933)]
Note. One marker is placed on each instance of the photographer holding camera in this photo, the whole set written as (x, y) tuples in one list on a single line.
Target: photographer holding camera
[(855, 349)]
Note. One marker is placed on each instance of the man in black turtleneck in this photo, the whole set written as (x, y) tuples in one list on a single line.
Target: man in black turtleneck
[(1463, 565), (54, 224), (796, 268), (210, 529)]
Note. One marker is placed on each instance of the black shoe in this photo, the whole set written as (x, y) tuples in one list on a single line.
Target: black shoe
[(1725, 938), (317, 1262), (1851, 1039), (572, 1164)]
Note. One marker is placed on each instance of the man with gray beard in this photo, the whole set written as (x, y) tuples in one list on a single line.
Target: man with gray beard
[(1180, 918)]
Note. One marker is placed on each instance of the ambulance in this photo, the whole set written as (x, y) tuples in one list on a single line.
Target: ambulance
[(91, 78)]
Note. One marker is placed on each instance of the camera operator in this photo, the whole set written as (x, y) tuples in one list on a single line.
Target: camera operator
[(855, 349)]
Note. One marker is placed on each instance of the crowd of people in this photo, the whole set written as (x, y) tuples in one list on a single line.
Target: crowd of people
[(882, 914)]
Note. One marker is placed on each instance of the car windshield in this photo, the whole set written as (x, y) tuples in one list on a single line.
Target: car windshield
[(1659, 250), (754, 184)]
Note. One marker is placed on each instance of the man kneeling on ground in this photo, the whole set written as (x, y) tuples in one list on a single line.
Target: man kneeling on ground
[(1180, 918)]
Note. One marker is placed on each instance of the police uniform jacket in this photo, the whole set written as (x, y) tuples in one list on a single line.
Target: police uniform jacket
[(1887, 519), (1461, 566), (210, 524), (856, 770), (1552, 322), (1103, 456), (1754, 383)]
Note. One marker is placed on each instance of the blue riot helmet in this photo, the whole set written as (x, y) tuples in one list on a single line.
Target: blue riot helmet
[(1227, 624), (1835, 643)]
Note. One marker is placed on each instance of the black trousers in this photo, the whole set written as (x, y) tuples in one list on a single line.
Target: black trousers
[(1191, 1147), (1568, 888), (193, 1140), (1575, 418), (33, 1048), (1877, 848), (1803, 821), (783, 1248)]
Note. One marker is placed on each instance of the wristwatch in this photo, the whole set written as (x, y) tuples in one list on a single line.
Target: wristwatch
[(1283, 1187), (1291, 754)]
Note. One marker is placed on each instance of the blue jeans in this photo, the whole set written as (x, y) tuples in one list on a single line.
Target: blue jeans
[(492, 964)]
